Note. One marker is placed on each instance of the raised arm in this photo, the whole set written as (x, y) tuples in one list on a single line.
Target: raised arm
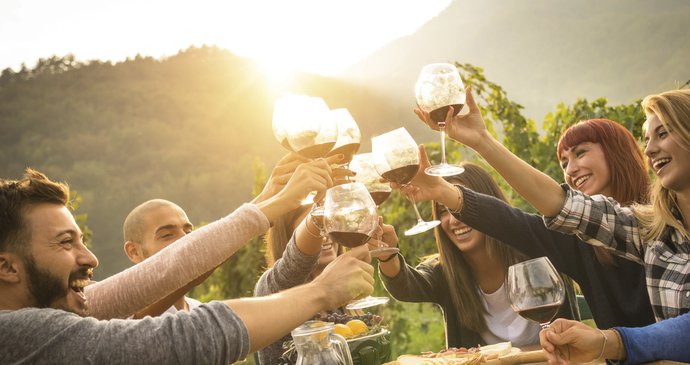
[(177, 265), (539, 189)]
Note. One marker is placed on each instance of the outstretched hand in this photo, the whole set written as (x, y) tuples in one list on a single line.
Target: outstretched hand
[(308, 177), (346, 278), (280, 175), (566, 340), (384, 236), (468, 129)]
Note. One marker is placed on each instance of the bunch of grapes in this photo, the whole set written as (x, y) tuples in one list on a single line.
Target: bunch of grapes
[(335, 317)]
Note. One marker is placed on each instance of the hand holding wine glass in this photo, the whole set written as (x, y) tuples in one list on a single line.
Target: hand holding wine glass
[(396, 159), (280, 175), (536, 290), (313, 176), (425, 187), (385, 241), (468, 129), (439, 90), (350, 219)]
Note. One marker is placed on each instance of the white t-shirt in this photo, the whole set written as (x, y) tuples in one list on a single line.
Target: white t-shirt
[(191, 303), (503, 324)]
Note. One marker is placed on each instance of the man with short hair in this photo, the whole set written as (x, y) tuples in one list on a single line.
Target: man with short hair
[(44, 267), (149, 228)]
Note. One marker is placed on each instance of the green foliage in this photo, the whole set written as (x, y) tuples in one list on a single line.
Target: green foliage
[(81, 218), (195, 129)]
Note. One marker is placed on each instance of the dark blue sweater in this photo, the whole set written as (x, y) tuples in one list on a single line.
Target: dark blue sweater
[(617, 296)]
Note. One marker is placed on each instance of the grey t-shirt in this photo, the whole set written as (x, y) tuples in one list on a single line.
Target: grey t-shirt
[(210, 334)]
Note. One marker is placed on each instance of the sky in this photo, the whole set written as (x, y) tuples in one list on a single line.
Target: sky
[(321, 36)]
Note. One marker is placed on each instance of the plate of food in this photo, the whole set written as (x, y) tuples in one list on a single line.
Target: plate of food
[(497, 354)]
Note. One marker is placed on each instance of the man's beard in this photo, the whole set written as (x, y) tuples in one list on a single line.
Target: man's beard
[(47, 289)]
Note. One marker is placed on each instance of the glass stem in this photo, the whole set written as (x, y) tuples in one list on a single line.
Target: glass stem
[(416, 211), (442, 128)]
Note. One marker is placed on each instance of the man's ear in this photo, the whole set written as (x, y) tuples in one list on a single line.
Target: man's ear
[(133, 251), (9, 267)]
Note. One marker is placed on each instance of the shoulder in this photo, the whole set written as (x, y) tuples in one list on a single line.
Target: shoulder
[(192, 303)]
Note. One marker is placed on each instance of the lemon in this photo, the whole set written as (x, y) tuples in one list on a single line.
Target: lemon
[(343, 330), (357, 326)]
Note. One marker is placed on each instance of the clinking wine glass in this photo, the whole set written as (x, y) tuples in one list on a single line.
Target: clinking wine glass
[(363, 165), (439, 87), (349, 135), (536, 290), (350, 218), (302, 124), (396, 158)]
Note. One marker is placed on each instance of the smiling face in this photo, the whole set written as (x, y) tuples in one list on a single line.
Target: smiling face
[(463, 237), (58, 266), (585, 169), (162, 226), (668, 158)]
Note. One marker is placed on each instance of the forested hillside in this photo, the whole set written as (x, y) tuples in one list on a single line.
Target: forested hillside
[(188, 128)]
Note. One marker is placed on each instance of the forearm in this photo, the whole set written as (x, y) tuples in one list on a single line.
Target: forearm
[(521, 230), (308, 237), (391, 268), (161, 306), (410, 284), (129, 291), (290, 270), (265, 324), (537, 188), (665, 340)]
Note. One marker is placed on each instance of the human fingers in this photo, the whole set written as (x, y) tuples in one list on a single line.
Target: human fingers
[(341, 175), (335, 159), (544, 341), (469, 99), (426, 118)]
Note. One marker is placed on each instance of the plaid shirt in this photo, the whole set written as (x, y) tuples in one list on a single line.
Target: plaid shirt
[(602, 221)]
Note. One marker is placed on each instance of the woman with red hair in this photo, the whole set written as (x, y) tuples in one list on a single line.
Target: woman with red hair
[(598, 156)]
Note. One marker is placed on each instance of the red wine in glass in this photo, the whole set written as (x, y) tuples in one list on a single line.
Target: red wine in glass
[(379, 196), (401, 175), (317, 150), (349, 239), (439, 115), (541, 314), (348, 150)]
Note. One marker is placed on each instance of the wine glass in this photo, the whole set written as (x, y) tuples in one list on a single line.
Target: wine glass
[(396, 158), (439, 86), (349, 135), (536, 290), (365, 172), (302, 124), (363, 166), (350, 218)]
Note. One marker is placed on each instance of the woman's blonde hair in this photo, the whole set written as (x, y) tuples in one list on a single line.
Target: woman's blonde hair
[(463, 287), (673, 110)]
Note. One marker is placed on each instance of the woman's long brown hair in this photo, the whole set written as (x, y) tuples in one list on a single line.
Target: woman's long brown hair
[(462, 285)]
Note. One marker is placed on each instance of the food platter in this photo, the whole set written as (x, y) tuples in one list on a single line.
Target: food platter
[(498, 354)]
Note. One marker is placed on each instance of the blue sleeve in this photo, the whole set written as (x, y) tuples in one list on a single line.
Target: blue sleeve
[(665, 340)]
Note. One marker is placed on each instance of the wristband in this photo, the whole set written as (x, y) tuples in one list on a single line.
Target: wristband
[(603, 346), (389, 258), (306, 226), (460, 200)]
